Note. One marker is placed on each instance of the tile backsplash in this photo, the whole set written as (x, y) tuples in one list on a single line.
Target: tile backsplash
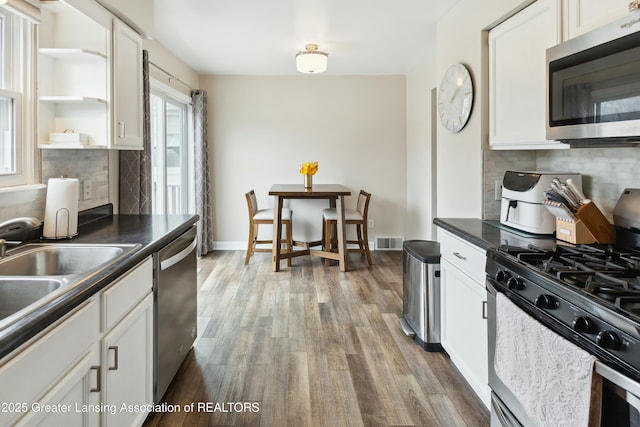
[(606, 172), (82, 164), (29, 202)]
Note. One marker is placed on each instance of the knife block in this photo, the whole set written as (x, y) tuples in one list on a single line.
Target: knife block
[(591, 226)]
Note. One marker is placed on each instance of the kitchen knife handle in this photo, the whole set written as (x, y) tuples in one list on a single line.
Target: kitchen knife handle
[(573, 187)]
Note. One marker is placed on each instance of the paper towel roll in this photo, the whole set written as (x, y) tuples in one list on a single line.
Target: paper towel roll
[(61, 208)]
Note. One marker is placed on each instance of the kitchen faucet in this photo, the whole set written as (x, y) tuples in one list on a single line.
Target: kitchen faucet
[(18, 229)]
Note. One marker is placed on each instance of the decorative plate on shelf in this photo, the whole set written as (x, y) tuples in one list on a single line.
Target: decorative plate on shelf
[(455, 98)]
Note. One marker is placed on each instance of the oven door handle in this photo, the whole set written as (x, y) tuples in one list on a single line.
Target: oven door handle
[(631, 387)]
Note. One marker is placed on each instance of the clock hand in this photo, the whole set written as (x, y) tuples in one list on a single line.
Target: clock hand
[(455, 92)]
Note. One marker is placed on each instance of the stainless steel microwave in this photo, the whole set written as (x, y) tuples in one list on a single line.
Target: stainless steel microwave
[(593, 86)]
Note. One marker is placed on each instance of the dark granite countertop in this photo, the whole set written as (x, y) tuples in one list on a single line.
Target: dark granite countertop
[(151, 232), (486, 234)]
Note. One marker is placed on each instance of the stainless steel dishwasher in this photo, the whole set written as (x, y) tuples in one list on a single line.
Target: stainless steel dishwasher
[(175, 314)]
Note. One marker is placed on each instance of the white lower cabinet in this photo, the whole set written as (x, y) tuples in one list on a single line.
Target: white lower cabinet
[(463, 310), (79, 372), (127, 353), (47, 371), (74, 399), (465, 334)]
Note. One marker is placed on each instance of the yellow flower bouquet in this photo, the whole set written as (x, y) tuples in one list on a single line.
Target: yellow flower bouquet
[(309, 168)]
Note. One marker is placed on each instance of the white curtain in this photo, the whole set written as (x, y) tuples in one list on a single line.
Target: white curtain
[(204, 195)]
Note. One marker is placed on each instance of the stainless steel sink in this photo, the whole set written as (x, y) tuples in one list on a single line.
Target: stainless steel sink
[(35, 274), (59, 259), (17, 293)]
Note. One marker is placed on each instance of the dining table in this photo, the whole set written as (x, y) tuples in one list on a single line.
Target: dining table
[(335, 193)]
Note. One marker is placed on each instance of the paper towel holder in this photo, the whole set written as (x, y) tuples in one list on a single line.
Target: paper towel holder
[(57, 236)]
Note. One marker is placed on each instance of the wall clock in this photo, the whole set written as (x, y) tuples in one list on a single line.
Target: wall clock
[(455, 97)]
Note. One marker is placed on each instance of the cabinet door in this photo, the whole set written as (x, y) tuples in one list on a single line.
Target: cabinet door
[(74, 399), (517, 70), (581, 16), (127, 353), (33, 371), (73, 75), (464, 327), (127, 79)]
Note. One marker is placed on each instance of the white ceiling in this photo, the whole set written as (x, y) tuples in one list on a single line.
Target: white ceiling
[(261, 37)]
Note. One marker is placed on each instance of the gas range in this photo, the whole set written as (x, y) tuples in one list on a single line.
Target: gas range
[(588, 294)]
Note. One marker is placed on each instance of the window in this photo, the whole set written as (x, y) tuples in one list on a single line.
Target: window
[(171, 153), (8, 149), (17, 47)]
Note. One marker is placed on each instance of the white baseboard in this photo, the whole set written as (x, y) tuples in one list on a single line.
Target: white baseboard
[(230, 246)]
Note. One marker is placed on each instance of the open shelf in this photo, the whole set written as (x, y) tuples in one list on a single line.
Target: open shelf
[(71, 146), (72, 100), (69, 54)]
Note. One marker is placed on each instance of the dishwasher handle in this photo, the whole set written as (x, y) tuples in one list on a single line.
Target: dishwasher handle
[(173, 260)]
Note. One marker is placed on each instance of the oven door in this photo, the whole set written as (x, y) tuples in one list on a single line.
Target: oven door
[(506, 410), (620, 394)]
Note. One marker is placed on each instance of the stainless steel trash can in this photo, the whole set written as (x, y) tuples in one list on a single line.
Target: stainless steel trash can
[(421, 293)]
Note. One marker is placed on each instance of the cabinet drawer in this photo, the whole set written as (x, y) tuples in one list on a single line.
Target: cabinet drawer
[(121, 297), (467, 257), (32, 372)]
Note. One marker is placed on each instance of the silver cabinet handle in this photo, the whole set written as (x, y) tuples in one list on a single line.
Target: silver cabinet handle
[(457, 254), (98, 386), (115, 358), (121, 129), (484, 310)]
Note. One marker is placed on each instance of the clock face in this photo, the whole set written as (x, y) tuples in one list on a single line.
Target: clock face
[(455, 97)]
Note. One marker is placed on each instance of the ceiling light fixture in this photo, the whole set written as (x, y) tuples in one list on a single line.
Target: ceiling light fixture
[(311, 60)]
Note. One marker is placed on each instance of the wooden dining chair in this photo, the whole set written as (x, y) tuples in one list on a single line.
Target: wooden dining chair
[(357, 217), (265, 217)]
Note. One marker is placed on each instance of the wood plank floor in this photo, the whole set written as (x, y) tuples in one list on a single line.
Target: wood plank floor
[(311, 346)]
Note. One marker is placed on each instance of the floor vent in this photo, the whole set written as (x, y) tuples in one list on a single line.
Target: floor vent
[(389, 243)]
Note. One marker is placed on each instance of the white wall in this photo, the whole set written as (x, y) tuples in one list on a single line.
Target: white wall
[(262, 128), (421, 170), (160, 56), (138, 14), (460, 39)]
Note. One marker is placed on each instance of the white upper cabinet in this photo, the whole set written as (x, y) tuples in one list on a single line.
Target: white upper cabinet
[(73, 77), (581, 16), (517, 70), (517, 66), (89, 78), (127, 77)]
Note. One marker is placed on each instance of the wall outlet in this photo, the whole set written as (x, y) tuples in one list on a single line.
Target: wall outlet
[(370, 223), (86, 192), (498, 190)]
